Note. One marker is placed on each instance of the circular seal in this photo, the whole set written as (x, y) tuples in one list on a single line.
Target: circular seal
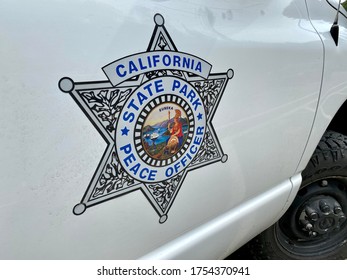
[(160, 129), (166, 130)]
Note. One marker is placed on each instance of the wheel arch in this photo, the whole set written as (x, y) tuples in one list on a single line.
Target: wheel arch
[(331, 115), (338, 123)]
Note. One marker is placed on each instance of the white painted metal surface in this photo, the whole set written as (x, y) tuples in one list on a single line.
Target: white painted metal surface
[(334, 85)]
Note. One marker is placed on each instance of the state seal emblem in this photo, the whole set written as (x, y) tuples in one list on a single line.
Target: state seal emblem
[(155, 114)]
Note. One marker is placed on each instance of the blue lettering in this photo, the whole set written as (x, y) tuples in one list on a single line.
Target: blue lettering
[(144, 173), (197, 140), (184, 161), (169, 172), (128, 116), (131, 104), (141, 97), (129, 159), (149, 61), (176, 84), (186, 62), (193, 149), (177, 166), (155, 60), (191, 95), (132, 67), (177, 61), (198, 67), (120, 74), (200, 130), (166, 60), (135, 168), (196, 103), (159, 86), (126, 148), (142, 67), (184, 90), (152, 174), (142, 176), (148, 88)]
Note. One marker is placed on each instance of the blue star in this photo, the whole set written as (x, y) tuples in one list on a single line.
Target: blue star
[(125, 131), (200, 116)]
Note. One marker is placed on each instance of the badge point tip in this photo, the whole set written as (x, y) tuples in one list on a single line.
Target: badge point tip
[(224, 158), (159, 19), (230, 73), (66, 84), (163, 219), (79, 209)]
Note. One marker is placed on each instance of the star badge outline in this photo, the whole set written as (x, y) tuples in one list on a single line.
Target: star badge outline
[(102, 102)]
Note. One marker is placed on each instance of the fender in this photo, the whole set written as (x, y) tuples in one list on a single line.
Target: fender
[(333, 91)]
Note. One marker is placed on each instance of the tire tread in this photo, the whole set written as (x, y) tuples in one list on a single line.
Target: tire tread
[(328, 160)]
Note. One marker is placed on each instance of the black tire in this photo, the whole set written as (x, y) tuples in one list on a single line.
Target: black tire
[(315, 226)]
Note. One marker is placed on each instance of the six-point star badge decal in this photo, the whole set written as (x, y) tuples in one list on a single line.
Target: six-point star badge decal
[(155, 114)]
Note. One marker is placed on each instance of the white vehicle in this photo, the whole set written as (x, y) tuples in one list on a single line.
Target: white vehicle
[(247, 100)]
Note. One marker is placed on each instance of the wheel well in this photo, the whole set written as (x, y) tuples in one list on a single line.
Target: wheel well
[(338, 123)]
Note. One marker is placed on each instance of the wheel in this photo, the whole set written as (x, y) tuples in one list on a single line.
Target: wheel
[(314, 227)]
